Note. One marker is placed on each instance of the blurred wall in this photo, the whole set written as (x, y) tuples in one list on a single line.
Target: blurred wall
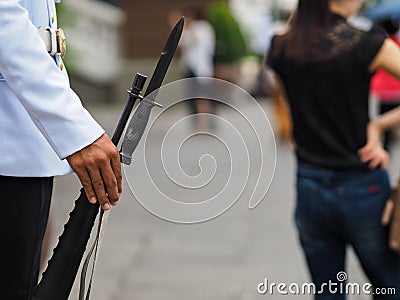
[(93, 32), (94, 57), (141, 37), (147, 26)]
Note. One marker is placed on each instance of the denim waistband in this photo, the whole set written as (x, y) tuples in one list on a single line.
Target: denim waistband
[(333, 176)]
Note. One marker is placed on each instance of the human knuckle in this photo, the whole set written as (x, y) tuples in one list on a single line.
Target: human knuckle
[(113, 150), (113, 197), (90, 162), (110, 150), (102, 159), (86, 183), (102, 200), (112, 182), (88, 191), (77, 164), (98, 184), (115, 153)]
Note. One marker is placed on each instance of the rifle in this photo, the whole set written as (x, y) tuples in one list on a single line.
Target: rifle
[(58, 278)]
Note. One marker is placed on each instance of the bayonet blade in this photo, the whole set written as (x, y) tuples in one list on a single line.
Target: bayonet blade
[(141, 116), (165, 59)]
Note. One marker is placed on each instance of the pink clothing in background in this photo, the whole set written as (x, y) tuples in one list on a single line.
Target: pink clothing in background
[(385, 86)]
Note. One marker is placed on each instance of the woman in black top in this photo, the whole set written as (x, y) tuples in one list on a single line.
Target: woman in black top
[(325, 62)]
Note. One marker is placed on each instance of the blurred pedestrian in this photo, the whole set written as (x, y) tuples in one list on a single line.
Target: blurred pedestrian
[(283, 120), (44, 132), (385, 86), (284, 127), (325, 62), (197, 53), (231, 45)]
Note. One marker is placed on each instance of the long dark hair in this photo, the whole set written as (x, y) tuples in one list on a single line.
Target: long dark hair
[(305, 28)]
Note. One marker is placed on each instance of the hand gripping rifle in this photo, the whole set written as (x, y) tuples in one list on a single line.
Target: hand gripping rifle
[(57, 280)]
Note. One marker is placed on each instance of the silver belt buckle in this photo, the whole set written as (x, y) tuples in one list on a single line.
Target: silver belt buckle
[(54, 40)]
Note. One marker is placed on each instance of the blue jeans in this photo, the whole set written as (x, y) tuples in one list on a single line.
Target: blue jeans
[(336, 209)]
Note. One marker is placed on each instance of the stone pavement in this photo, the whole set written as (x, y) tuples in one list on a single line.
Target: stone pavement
[(146, 258)]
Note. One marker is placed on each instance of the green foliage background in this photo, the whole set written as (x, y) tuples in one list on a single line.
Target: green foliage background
[(231, 45)]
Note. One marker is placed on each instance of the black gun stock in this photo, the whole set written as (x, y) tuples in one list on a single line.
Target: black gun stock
[(57, 280)]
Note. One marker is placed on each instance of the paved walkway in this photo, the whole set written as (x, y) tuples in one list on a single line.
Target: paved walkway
[(146, 258)]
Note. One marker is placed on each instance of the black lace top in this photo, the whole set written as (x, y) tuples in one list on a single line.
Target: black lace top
[(328, 94)]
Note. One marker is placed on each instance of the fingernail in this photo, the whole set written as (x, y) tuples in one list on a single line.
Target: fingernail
[(106, 206), (93, 200), (114, 203)]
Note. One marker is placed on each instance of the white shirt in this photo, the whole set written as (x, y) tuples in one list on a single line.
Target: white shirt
[(198, 47), (42, 120)]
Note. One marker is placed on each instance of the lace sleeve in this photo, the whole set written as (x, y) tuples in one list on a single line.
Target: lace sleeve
[(369, 46)]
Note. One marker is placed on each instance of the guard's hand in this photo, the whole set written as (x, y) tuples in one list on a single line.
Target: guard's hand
[(99, 170), (373, 152)]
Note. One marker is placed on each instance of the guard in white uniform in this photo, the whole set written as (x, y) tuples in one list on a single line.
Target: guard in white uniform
[(44, 130)]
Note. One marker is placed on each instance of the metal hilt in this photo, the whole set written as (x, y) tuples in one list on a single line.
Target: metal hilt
[(134, 94)]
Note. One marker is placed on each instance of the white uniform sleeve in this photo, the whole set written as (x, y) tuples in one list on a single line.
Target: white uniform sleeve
[(41, 87)]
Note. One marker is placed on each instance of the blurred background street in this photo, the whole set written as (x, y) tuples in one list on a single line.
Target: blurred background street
[(147, 258), (144, 257)]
